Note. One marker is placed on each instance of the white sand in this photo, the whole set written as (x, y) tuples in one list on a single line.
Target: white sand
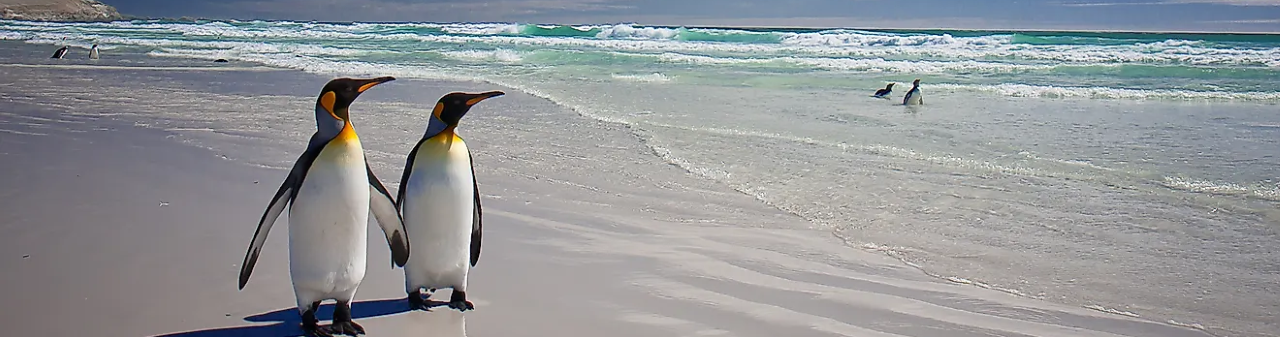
[(116, 225)]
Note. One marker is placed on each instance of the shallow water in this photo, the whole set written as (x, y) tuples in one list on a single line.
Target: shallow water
[(1136, 176)]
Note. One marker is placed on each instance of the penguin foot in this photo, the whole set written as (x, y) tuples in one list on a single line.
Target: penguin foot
[(315, 331), (310, 324), (459, 301), (416, 302), (342, 324), (344, 328), (463, 305)]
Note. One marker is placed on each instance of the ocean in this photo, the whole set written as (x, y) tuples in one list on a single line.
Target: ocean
[(1131, 173)]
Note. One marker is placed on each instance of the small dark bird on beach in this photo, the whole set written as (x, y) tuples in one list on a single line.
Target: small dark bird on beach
[(58, 54), (913, 96), (884, 93)]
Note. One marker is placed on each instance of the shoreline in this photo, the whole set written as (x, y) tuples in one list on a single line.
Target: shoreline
[(516, 216)]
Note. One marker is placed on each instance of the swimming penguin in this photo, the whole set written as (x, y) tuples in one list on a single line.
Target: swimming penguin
[(58, 54), (93, 52), (884, 93), (440, 201), (913, 96), (330, 192)]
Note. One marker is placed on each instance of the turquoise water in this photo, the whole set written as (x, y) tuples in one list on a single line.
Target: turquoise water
[(1023, 64), (1126, 172)]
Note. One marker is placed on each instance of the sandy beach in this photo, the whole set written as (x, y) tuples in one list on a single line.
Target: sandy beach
[(131, 194)]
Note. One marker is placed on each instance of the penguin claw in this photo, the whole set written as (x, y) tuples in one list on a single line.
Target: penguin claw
[(345, 328), (417, 302), (462, 305), (459, 301)]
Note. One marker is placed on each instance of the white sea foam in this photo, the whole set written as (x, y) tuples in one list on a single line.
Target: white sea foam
[(870, 65), (481, 29), (633, 32), (833, 50), (501, 55), (651, 39), (649, 78), (1261, 191), (851, 38), (1024, 90)]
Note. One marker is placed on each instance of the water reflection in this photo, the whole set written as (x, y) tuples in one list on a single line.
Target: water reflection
[(439, 322)]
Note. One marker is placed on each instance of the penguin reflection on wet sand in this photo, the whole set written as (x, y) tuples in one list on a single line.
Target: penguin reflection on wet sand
[(440, 201), (330, 192)]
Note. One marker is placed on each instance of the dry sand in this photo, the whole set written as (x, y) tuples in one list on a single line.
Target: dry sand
[(130, 197)]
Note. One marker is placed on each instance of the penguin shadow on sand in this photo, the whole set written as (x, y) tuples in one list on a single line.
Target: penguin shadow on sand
[(913, 110), (442, 322)]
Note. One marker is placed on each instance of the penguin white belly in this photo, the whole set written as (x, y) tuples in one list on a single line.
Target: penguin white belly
[(914, 97), (438, 209), (327, 225)]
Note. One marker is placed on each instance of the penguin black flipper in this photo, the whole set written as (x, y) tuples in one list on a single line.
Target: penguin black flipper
[(288, 190), (408, 169), (384, 210), (477, 226)]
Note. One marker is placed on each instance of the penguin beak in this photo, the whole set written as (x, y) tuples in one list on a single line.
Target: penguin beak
[(370, 83), (483, 96)]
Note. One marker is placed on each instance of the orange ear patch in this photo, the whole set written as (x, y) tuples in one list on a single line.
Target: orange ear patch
[(327, 101), (438, 110)]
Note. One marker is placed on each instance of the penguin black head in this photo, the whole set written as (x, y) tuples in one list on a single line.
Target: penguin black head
[(450, 108), (890, 86), (916, 82), (339, 93)]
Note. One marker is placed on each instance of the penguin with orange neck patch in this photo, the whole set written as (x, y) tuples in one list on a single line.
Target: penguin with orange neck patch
[(439, 199), (913, 97), (330, 192)]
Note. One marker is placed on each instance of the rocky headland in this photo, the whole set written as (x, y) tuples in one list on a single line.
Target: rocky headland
[(58, 10)]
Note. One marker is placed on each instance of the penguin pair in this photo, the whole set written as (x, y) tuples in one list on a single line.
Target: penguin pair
[(331, 190), (62, 52), (913, 96)]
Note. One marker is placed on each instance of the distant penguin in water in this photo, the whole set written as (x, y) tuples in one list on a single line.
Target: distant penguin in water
[(58, 54), (93, 52), (913, 96), (884, 93)]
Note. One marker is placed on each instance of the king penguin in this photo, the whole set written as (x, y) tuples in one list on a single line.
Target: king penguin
[(440, 201), (330, 192), (884, 93), (913, 96), (58, 54), (93, 52)]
